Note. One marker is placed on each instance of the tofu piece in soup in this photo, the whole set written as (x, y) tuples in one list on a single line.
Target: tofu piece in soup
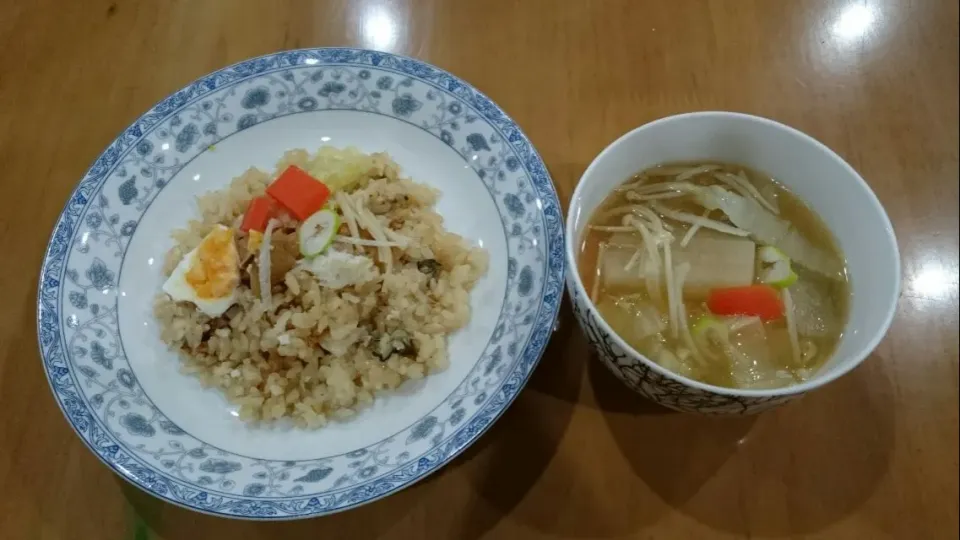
[(716, 260), (616, 275)]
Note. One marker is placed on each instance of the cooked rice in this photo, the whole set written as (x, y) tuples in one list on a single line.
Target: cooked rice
[(311, 356)]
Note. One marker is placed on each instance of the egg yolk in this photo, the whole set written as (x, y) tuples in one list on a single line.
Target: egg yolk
[(254, 240), (214, 272)]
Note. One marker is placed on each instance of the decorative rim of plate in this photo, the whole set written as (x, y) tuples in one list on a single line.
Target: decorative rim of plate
[(58, 362)]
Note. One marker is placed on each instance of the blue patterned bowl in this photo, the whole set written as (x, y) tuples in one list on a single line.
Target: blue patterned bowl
[(119, 387), (811, 171)]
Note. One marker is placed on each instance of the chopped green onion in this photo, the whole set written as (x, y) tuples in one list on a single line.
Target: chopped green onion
[(777, 270), (317, 232)]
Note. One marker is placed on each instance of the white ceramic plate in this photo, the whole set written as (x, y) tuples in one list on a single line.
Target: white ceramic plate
[(119, 386)]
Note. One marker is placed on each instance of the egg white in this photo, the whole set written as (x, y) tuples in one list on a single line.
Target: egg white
[(181, 291)]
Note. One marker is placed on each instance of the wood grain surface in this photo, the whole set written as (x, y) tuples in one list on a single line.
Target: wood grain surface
[(872, 456)]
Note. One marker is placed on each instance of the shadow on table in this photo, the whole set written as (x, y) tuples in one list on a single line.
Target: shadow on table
[(793, 470), (674, 454), (514, 455), (524, 480)]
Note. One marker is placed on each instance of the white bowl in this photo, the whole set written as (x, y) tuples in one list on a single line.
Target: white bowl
[(810, 170)]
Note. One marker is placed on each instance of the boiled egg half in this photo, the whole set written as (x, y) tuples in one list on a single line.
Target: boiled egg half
[(209, 275)]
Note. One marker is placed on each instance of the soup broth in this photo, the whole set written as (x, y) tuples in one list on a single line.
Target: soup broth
[(718, 273)]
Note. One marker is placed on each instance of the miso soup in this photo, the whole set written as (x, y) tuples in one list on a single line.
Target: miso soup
[(718, 273)]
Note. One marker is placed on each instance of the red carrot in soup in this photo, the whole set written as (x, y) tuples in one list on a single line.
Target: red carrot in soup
[(753, 300)]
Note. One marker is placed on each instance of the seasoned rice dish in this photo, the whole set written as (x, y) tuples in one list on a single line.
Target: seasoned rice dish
[(301, 293)]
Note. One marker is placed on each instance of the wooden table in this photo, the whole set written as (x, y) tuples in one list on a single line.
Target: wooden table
[(872, 456)]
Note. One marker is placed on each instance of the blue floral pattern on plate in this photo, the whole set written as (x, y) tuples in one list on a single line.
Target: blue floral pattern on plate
[(78, 330)]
